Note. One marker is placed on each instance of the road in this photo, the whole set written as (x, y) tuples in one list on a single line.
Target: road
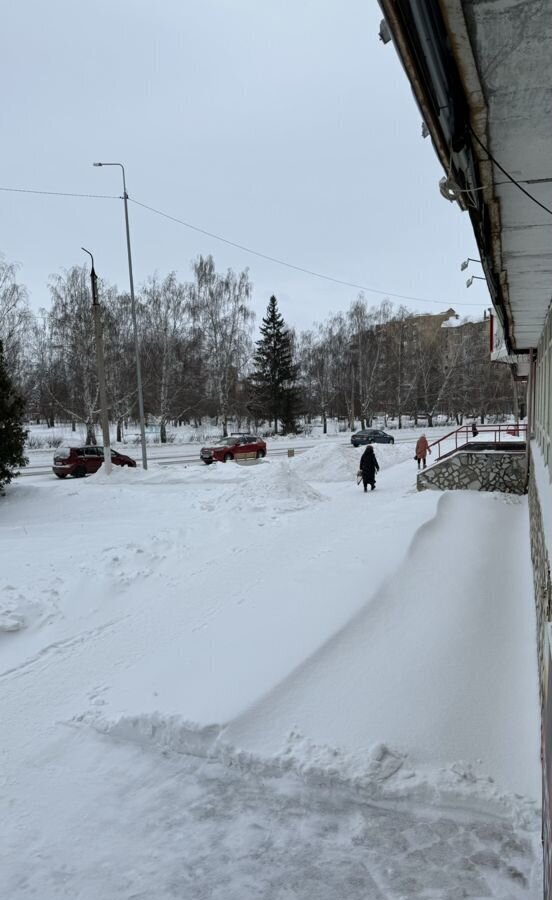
[(40, 461)]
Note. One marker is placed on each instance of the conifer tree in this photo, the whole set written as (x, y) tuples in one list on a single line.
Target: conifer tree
[(12, 433), (275, 374)]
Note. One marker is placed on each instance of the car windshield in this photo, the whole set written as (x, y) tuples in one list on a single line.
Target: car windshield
[(63, 452), (225, 441)]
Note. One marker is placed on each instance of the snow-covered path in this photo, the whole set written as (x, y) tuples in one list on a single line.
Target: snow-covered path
[(259, 682)]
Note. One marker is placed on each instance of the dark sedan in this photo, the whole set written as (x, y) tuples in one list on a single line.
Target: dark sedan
[(371, 436)]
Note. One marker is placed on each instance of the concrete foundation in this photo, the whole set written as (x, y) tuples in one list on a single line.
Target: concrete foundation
[(487, 470)]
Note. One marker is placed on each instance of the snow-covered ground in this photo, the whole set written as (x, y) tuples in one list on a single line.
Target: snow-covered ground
[(258, 682)]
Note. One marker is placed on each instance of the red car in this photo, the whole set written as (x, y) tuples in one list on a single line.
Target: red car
[(235, 446), (81, 461)]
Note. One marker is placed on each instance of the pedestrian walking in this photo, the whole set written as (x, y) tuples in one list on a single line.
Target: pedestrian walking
[(368, 467), (422, 449), (474, 430)]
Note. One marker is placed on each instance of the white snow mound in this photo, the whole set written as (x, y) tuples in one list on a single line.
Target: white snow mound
[(340, 462), (328, 463), (17, 612), (159, 474), (379, 772), (272, 486)]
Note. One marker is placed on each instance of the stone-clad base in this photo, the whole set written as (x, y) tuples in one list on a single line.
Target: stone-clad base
[(481, 471), (541, 574), (543, 602)]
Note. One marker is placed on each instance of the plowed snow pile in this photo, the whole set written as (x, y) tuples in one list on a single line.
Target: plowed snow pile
[(159, 474), (271, 485), (340, 462), (328, 463)]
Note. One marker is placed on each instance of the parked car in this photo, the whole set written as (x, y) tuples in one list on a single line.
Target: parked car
[(235, 446), (371, 436), (81, 461)]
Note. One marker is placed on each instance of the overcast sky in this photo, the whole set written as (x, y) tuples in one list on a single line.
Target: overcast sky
[(284, 125)]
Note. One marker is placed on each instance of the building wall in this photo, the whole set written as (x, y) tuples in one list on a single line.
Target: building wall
[(543, 395), (541, 571), (540, 512)]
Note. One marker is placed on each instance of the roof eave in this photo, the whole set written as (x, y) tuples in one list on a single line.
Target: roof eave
[(486, 218)]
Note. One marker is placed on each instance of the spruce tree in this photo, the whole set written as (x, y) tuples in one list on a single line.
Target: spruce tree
[(12, 433), (274, 374)]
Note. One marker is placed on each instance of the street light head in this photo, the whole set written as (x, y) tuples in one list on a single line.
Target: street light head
[(97, 164), (463, 267), (469, 282)]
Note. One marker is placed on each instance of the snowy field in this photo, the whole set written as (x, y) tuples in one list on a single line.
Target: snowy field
[(258, 682)]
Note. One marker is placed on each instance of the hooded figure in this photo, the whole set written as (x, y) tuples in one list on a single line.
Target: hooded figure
[(422, 449), (369, 466)]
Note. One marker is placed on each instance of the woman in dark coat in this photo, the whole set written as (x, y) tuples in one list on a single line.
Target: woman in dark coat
[(369, 466)]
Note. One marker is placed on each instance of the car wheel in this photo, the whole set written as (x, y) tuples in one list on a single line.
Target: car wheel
[(80, 472), (260, 454), (392, 441), (207, 461), (57, 474), (355, 445), (228, 457)]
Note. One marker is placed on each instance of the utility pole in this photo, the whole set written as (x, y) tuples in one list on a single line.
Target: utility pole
[(134, 322), (98, 331)]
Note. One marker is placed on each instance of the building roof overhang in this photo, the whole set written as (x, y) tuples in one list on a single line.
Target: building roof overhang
[(481, 75)]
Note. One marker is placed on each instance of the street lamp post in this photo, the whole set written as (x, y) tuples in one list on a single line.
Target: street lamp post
[(134, 322), (100, 366)]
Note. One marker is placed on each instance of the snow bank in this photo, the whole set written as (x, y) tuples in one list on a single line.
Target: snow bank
[(272, 486), (164, 732), (159, 474), (256, 487), (339, 462), (118, 475), (328, 463), (393, 454), (452, 641), (378, 773)]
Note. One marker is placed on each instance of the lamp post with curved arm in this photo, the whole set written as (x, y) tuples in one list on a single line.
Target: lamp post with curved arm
[(100, 365), (134, 322)]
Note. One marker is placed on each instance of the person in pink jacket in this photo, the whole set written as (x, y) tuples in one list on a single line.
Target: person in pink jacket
[(422, 449)]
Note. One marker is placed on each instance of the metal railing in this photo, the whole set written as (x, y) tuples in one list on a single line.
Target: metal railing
[(464, 434)]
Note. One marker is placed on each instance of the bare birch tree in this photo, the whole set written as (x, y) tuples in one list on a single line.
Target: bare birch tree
[(221, 305)]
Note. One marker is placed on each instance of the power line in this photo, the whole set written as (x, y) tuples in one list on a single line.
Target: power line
[(60, 193), (259, 254), (288, 265), (509, 177)]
